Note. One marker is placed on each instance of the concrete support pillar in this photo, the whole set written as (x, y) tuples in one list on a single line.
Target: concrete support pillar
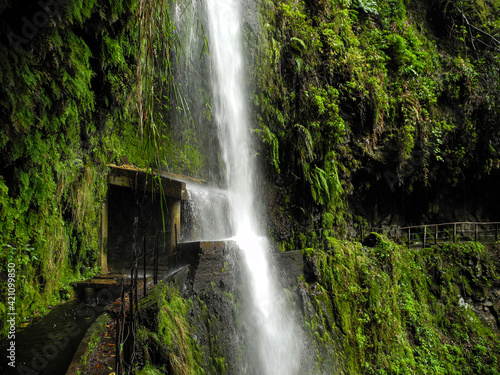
[(174, 209), (103, 252)]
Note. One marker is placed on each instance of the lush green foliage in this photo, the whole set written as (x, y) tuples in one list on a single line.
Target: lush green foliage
[(167, 334), (347, 90), (394, 310), (372, 97), (71, 89), (65, 94)]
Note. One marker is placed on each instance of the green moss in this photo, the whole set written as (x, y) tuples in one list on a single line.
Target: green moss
[(59, 136), (96, 332), (167, 333), (366, 98), (70, 102), (399, 310)]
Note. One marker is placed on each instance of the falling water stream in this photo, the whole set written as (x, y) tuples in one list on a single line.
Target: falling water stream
[(274, 344)]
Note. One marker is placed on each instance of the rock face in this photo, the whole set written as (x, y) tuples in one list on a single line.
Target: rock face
[(214, 287), (487, 309), (291, 266), (208, 262), (328, 288), (215, 264), (210, 286)]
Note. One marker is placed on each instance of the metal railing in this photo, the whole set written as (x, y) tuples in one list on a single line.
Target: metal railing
[(127, 314), (433, 234)]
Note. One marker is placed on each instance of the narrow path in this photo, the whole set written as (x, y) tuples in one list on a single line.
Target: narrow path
[(433, 234)]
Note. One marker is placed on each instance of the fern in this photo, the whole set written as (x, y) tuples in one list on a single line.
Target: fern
[(298, 45), (326, 188), (307, 139), (368, 6), (270, 138), (299, 62)]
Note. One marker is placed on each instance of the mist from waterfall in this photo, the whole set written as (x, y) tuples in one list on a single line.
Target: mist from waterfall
[(274, 340)]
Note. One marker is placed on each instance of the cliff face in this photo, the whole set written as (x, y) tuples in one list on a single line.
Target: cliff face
[(64, 116), (378, 111), (76, 96), (364, 112), (81, 88), (362, 310)]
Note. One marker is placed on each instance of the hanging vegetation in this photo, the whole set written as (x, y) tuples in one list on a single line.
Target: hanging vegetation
[(83, 84), (385, 101)]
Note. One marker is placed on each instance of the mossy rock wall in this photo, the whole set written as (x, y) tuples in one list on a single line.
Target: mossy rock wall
[(384, 309), (376, 111), (392, 310), (65, 88), (71, 89)]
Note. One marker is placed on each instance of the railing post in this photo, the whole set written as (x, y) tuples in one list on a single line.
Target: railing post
[(454, 232), (475, 232), (436, 235), (119, 332), (118, 354), (176, 243), (155, 263), (409, 236), (144, 267), (131, 297), (136, 287), (425, 234)]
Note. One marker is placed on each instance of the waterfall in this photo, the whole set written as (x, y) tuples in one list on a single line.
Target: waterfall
[(276, 336), (205, 218), (275, 344)]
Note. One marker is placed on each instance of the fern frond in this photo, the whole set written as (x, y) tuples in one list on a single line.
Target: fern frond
[(298, 44), (308, 141), (299, 62)]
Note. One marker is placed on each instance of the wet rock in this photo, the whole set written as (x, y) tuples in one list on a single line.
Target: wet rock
[(208, 262), (291, 265), (311, 269)]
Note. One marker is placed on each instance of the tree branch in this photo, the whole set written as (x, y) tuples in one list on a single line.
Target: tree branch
[(481, 31)]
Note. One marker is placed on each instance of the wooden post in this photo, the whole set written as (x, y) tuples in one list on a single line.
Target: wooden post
[(475, 232), (424, 242), (454, 232), (144, 267), (409, 237), (435, 235)]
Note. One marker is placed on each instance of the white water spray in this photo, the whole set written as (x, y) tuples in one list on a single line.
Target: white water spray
[(276, 343), (206, 219), (273, 342)]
